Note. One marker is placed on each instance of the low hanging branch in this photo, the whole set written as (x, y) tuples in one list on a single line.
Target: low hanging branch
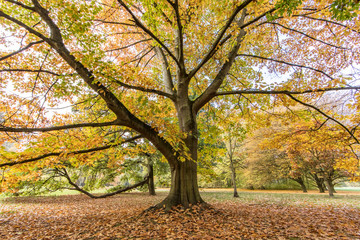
[(77, 188), (73, 152)]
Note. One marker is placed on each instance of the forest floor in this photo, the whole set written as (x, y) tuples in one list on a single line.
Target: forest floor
[(255, 215)]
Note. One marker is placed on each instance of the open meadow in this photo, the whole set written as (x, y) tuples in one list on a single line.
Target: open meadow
[(254, 215)]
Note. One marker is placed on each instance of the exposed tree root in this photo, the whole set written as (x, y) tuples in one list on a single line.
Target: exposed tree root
[(167, 209)]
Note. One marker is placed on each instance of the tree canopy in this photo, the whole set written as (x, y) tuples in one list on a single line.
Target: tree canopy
[(161, 70)]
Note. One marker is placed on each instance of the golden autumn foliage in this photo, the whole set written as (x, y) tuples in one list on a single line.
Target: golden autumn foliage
[(156, 70)]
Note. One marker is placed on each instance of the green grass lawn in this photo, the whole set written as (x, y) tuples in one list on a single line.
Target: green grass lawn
[(301, 199), (260, 197), (355, 189)]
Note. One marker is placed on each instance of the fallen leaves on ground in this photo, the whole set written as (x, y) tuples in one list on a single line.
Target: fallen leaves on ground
[(123, 217)]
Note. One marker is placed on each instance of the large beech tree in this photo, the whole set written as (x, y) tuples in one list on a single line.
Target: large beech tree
[(155, 66)]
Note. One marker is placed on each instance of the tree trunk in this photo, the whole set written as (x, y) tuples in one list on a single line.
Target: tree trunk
[(319, 183), (184, 189), (330, 189), (303, 187), (302, 184), (151, 185), (233, 177)]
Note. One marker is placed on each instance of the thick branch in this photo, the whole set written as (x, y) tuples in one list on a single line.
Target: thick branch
[(53, 154), (180, 47), (21, 50), (77, 188), (56, 128), (125, 117), (214, 46), (169, 85), (210, 92), (287, 63), (228, 36)]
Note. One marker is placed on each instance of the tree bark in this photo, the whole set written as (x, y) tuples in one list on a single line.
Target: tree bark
[(328, 185), (332, 187), (303, 187), (184, 189), (319, 183), (233, 177), (302, 184), (151, 185)]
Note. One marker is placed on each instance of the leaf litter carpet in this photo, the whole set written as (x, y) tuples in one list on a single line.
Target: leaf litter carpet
[(123, 217)]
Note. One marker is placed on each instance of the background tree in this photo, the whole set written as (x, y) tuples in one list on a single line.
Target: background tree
[(155, 65), (312, 147), (266, 165), (321, 150), (233, 134)]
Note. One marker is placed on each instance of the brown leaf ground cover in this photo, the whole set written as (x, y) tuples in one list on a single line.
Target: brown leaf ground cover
[(123, 217)]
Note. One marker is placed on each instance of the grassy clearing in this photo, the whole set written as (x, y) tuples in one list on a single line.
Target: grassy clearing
[(298, 199), (346, 197), (352, 189)]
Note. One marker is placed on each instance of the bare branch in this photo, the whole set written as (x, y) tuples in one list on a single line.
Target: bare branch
[(306, 35), (21, 50), (167, 19), (258, 91), (158, 92), (115, 23), (30, 71), (53, 154), (325, 115), (287, 63), (331, 22), (130, 45), (35, 71)]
